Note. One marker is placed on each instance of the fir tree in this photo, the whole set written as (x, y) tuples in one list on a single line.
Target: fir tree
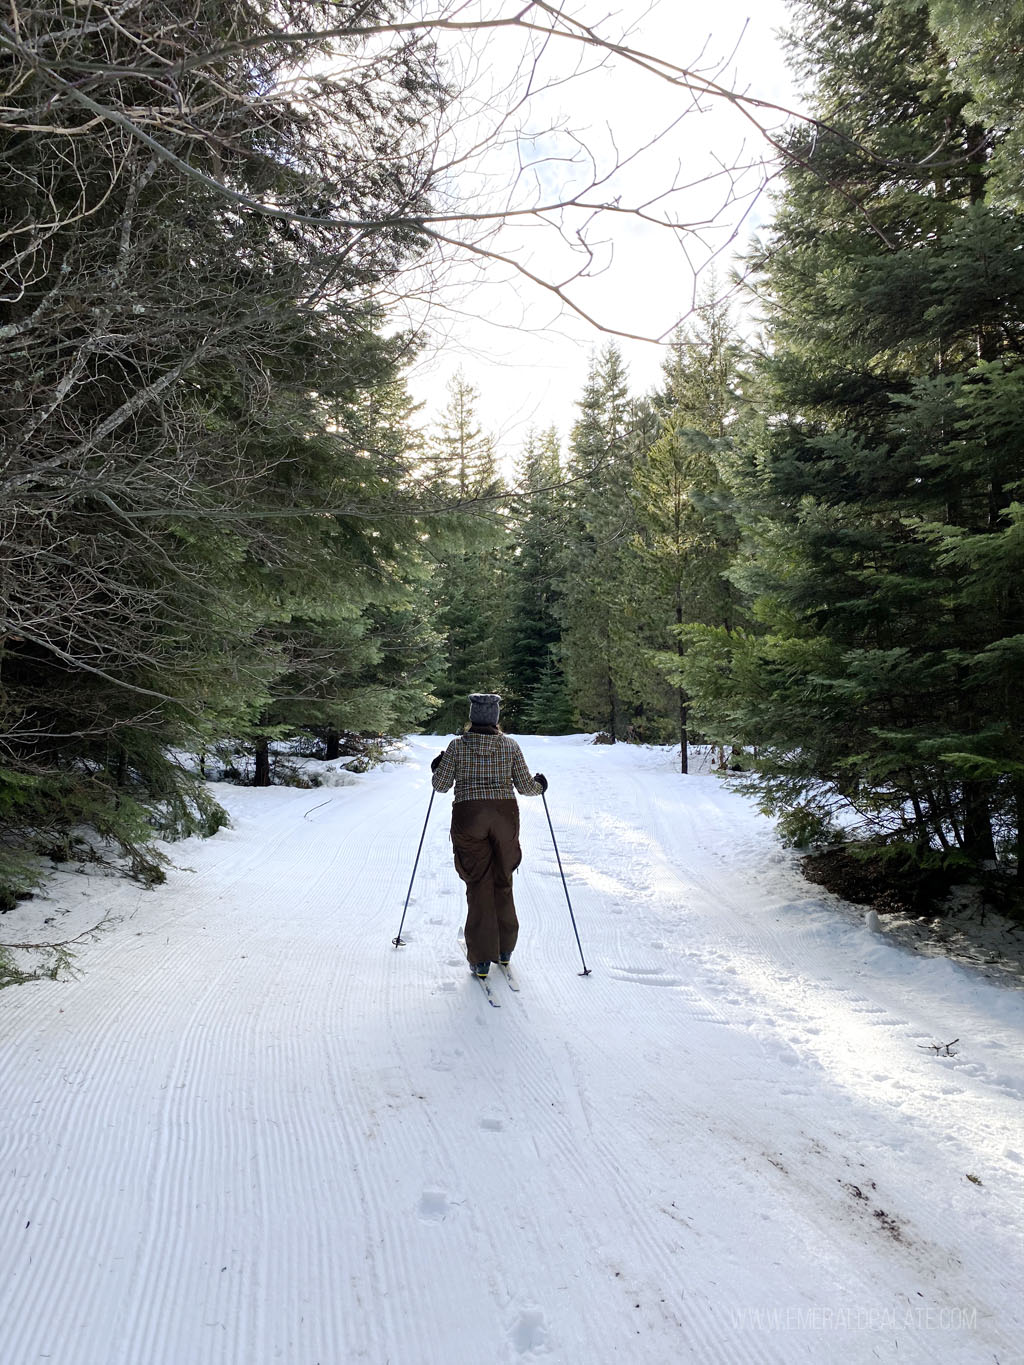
[(883, 550), (537, 700), (173, 499), (607, 682), (686, 533), (468, 547), (348, 622), (985, 39)]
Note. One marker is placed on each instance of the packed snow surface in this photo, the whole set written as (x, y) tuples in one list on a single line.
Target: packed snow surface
[(250, 1130)]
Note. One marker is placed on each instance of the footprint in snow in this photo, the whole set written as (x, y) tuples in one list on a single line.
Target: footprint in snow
[(530, 1332), (434, 1206)]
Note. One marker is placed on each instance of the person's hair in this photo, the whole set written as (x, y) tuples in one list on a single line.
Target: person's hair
[(470, 729)]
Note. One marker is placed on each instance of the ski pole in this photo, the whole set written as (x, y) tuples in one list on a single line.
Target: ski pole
[(398, 940), (554, 841)]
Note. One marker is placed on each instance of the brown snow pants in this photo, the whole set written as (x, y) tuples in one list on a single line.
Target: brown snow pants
[(485, 838)]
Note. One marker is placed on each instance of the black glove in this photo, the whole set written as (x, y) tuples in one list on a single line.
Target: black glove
[(542, 780), (435, 763)]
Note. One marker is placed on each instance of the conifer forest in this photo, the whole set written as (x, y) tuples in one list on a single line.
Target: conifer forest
[(225, 525)]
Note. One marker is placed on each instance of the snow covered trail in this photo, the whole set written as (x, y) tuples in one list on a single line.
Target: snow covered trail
[(252, 1131)]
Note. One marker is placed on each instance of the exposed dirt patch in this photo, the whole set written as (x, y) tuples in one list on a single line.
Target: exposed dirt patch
[(887, 886), (978, 922)]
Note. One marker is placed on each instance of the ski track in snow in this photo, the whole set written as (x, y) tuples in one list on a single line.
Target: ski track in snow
[(252, 1131)]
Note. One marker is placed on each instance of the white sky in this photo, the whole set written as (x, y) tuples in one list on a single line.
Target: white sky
[(527, 356)]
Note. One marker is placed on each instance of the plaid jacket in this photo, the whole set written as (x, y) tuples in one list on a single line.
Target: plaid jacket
[(485, 768)]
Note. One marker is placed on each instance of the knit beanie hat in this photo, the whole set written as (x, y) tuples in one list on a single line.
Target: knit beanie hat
[(483, 708)]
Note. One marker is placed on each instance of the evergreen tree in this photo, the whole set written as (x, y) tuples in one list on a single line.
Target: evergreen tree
[(985, 40), (461, 461), (173, 500), (355, 641), (599, 645), (686, 533), (469, 547), (548, 710), (883, 553), (537, 699)]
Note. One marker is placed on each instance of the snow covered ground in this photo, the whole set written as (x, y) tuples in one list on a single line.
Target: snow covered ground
[(250, 1130)]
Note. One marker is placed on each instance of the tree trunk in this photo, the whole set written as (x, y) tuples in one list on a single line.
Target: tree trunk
[(332, 745), (932, 821), (684, 704), (978, 841), (943, 810), (684, 733), (261, 777)]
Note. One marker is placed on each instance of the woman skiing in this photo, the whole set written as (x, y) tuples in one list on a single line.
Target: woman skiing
[(487, 768)]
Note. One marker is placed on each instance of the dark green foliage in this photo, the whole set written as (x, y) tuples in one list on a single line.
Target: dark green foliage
[(548, 710), (468, 547), (985, 41), (204, 503), (879, 492), (537, 698), (686, 533), (49, 963), (351, 627), (607, 627)]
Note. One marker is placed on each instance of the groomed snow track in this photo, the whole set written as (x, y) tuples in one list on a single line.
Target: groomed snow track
[(250, 1130)]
